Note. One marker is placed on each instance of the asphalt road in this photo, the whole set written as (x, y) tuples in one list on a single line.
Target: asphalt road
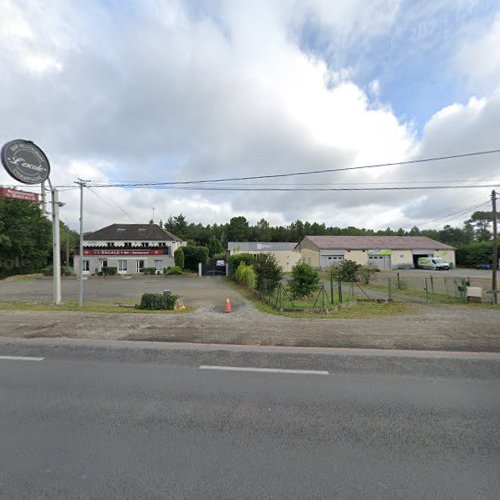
[(126, 420)]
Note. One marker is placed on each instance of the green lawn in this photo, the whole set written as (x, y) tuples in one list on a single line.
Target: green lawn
[(98, 307)]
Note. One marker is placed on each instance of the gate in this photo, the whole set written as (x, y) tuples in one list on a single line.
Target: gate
[(214, 267)]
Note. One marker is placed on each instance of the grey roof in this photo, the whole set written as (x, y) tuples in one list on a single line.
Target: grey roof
[(377, 242), (254, 246), (147, 232)]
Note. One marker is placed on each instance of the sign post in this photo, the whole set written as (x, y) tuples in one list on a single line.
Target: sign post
[(27, 163)]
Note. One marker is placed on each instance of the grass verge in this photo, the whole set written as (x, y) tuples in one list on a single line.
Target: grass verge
[(361, 310), (95, 307)]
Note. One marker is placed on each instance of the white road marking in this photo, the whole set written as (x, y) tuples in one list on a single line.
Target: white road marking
[(20, 358), (262, 370)]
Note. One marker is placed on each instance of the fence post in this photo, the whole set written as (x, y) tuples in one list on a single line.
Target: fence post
[(389, 289), (399, 281), (332, 291), (426, 290), (432, 284), (340, 291)]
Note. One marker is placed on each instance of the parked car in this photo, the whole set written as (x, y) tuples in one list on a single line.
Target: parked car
[(433, 263)]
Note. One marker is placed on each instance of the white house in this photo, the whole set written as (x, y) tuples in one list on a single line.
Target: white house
[(128, 247)]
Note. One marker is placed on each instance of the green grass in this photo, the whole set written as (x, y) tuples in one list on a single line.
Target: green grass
[(95, 307), (408, 292), (361, 310)]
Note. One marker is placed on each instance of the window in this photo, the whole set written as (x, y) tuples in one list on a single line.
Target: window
[(128, 244), (145, 244), (159, 265), (110, 243), (161, 244), (86, 265), (122, 265)]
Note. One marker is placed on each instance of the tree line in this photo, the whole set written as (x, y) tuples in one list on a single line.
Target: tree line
[(476, 229)]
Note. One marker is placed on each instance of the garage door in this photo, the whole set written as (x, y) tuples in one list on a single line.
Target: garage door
[(380, 261), (328, 260)]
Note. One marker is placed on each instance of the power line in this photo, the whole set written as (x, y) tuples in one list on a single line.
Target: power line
[(104, 201), (399, 188), (308, 172)]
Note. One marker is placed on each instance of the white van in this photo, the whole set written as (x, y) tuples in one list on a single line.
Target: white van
[(434, 263)]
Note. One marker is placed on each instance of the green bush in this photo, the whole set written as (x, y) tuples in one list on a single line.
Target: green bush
[(347, 270), (269, 272), (179, 258), (157, 301), (49, 271), (174, 270), (193, 255), (149, 270), (214, 246), (305, 280), (109, 271), (235, 261), (366, 273), (475, 253), (245, 275)]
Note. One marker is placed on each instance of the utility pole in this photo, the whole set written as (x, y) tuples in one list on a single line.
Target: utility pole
[(56, 247), (82, 184), (495, 247)]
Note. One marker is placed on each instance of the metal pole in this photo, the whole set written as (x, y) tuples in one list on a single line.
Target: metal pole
[(495, 247), (56, 248), (81, 183)]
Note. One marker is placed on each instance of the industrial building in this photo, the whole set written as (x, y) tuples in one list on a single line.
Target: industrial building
[(284, 251), (128, 247), (385, 252)]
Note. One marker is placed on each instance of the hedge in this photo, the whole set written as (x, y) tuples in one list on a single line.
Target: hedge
[(235, 261), (158, 301), (475, 254), (193, 255)]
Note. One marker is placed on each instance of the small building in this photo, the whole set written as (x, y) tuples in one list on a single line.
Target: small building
[(284, 251), (385, 252), (128, 247)]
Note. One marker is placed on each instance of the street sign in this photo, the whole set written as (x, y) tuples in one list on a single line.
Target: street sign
[(16, 194), (25, 161)]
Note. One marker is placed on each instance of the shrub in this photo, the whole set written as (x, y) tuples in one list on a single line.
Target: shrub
[(366, 273), (475, 253), (157, 301), (305, 280), (269, 272), (149, 270), (179, 258), (235, 261), (193, 255), (49, 271), (245, 275), (174, 270), (109, 271), (347, 270)]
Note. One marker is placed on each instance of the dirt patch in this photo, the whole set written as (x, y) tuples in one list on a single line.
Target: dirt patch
[(440, 327)]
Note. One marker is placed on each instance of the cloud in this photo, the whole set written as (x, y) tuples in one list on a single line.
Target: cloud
[(173, 90)]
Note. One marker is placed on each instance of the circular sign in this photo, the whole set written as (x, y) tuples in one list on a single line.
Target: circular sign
[(25, 161)]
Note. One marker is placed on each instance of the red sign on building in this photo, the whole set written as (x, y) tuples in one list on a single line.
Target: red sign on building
[(16, 194), (122, 252)]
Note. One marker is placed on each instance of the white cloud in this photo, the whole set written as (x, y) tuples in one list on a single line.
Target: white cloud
[(163, 93)]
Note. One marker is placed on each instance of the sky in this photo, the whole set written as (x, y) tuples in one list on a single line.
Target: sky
[(171, 90)]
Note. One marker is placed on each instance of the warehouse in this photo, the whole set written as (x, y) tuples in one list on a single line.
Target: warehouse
[(128, 247), (385, 252), (284, 251)]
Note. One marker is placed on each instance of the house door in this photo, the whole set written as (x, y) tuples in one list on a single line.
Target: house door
[(140, 266)]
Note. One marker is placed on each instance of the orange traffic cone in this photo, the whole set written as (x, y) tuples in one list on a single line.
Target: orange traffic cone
[(228, 305)]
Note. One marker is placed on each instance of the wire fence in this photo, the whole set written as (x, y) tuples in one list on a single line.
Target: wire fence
[(327, 296), (423, 288)]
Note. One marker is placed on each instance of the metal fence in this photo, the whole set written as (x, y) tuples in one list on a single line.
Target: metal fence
[(423, 288), (328, 296)]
